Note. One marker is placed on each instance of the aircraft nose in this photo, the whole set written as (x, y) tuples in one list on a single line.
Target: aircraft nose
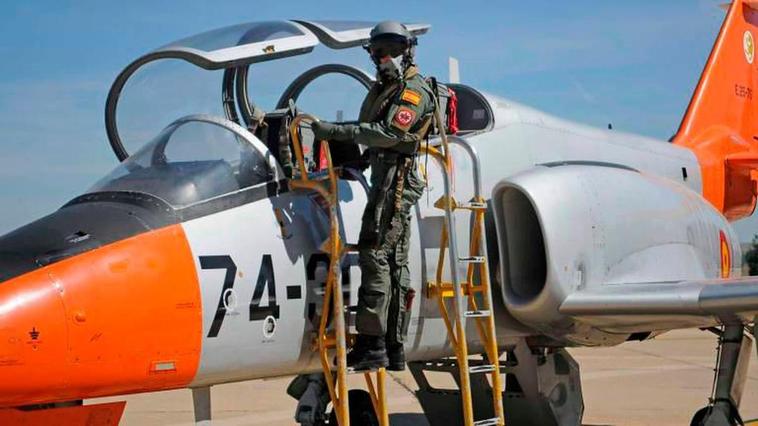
[(33, 337), (123, 318)]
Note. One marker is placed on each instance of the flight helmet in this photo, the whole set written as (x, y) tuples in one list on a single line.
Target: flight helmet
[(392, 48)]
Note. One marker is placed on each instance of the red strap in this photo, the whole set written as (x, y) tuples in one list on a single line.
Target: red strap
[(322, 163), (452, 112)]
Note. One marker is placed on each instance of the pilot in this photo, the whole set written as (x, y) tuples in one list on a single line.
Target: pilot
[(395, 118)]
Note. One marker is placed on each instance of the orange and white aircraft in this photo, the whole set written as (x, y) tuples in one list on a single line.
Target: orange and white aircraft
[(195, 262)]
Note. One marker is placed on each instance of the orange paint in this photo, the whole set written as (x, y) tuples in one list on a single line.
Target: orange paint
[(97, 414), (721, 122), (121, 319), (726, 256)]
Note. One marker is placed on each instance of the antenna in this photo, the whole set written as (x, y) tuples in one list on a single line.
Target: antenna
[(454, 75)]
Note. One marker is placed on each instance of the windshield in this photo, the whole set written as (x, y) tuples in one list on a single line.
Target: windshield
[(190, 161)]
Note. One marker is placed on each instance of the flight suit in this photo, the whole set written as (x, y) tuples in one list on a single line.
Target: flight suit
[(394, 119)]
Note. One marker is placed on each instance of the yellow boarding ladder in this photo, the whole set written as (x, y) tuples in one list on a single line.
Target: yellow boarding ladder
[(469, 299), (335, 339)]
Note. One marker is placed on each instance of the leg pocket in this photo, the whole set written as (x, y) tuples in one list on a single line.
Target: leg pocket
[(374, 293)]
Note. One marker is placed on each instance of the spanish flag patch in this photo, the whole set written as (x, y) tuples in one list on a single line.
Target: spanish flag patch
[(411, 97)]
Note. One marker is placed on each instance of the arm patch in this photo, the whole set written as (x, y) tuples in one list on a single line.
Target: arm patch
[(404, 118), (411, 97)]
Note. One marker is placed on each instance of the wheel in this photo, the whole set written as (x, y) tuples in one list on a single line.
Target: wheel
[(361, 410)]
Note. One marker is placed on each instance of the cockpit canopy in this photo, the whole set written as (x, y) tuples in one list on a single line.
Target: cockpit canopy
[(194, 159), (171, 80), (234, 122)]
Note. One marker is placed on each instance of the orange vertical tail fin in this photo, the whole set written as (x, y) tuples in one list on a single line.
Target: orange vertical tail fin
[(721, 123)]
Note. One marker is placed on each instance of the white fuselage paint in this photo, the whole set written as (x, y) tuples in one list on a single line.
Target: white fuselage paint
[(521, 139)]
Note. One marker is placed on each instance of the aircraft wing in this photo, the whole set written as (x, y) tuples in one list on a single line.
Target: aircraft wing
[(658, 306)]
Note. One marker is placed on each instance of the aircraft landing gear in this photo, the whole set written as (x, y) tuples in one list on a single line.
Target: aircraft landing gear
[(361, 409), (732, 362), (201, 401), (313, 399)]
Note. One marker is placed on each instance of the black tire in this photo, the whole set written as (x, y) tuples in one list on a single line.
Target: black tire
[(361, 410)]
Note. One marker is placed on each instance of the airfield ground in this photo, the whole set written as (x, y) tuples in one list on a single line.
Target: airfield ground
[(659, 382)]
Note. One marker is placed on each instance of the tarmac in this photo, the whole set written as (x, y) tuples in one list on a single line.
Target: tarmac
[(658, 382)]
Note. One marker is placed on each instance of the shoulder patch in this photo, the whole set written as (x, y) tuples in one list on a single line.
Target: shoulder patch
[(411, 97), (403, 118)]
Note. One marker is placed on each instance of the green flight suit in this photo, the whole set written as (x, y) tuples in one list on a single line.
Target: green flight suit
[(393, 121)]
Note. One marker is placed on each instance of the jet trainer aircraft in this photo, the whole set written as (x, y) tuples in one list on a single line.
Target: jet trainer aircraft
[(199, 260)]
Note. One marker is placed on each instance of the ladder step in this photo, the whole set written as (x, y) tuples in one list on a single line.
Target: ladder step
[(446, 289), (476, 314), (446, 201), (495, 421), (472, 205), (473, 259), (484, 368)]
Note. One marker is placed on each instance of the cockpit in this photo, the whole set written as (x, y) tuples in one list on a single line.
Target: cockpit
[(208, 115)]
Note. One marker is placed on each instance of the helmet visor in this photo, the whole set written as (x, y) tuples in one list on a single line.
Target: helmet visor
[(386, 48)]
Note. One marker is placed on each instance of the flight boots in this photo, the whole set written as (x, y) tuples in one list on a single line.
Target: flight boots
[(368, 353), (396, 356)]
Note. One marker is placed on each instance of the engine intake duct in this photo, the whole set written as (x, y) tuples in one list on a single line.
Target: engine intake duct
[(523, 261), (601, 229)]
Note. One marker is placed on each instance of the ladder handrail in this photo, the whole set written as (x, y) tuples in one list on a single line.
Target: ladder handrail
[(445, 162), (337, 391), (475, 162), (477, 247), (449, 237), (492, 350), (333, 296), (452, 248)]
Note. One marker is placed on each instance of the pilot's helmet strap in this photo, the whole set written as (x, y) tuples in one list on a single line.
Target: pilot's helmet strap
[(410, 53)]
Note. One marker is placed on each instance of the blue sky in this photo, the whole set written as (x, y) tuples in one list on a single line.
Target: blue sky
[(633, 64)]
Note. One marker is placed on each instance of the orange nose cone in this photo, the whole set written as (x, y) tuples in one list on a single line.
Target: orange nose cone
[(33, 338), (120, 319)]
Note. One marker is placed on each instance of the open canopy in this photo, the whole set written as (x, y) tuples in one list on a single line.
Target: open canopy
[(232, 49), (199, 142)]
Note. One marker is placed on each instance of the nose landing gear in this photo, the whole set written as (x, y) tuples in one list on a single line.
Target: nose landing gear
[(730, 374)]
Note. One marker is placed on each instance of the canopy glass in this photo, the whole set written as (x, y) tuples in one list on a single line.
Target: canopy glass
[(208, 73)]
